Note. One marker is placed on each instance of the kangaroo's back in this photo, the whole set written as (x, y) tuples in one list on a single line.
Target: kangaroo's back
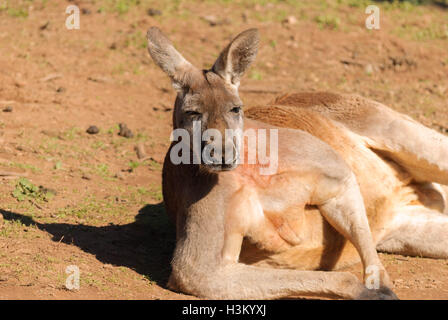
[(419, 150)]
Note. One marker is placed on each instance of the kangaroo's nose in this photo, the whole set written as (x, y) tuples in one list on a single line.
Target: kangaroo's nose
[(230, 155), (211, 154)]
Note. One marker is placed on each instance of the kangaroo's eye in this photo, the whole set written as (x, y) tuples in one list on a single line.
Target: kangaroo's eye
[(193, 113), (236, 110)]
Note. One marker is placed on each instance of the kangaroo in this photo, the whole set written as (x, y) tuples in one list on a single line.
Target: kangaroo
[(353, 177)]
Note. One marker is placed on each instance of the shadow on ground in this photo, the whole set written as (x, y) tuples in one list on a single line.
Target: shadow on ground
[(145, 245)]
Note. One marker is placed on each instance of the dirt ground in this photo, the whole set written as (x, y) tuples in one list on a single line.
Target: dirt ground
[(100, 207)]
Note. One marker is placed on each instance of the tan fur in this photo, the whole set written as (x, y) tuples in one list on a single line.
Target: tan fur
[(352, 176)]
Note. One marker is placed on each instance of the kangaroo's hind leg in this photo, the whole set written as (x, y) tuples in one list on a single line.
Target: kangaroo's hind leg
[(347, 214), (423, 152), (417, 231)]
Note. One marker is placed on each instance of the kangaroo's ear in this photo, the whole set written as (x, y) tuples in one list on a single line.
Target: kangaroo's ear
[(237, 56), (169, 59)]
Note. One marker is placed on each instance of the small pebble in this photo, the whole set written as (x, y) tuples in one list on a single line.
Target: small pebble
[(120, 175), (214, 21), (290, 20), (140, 150), (86, 177), (125, 131), (154, 12), (93, 130), (7, 109), (44, 26), (60, 90)]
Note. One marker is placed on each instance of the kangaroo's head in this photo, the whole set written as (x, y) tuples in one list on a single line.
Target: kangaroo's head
[(208, 99)]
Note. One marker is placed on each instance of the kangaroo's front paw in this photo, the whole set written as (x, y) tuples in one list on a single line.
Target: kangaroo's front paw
[(383, 293)]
